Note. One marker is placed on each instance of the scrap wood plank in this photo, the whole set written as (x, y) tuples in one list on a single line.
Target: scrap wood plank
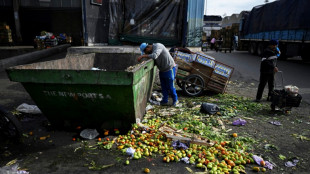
[(204, 142), (175, 134)]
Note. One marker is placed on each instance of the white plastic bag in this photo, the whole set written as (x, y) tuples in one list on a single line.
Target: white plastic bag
[(89, 134), (12, 169), (29, 109)]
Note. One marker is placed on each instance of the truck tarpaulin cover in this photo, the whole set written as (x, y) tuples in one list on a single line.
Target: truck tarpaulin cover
[(150, 21), (279, 15)]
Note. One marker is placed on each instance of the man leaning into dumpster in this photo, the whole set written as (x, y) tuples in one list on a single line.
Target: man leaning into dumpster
[(166, 66), (267, 70)]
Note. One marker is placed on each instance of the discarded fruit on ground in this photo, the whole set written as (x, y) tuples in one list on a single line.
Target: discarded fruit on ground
[(99, 139), (263, 169), (262, 163), (73, 139), (234, 134), (106, 133), (127, 162), (257, 169), (146, 170)]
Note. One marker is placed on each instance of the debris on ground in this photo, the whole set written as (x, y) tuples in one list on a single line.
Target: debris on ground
[(185, 134), (29, 109), (12, 167), (277, 123), (260, 161), (209, 108), (292, 163), (239, 122), (89, 134)]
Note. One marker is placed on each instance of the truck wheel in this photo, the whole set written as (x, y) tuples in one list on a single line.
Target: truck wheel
[(260, 49), (305, 55), (193, 85), (253, 48)]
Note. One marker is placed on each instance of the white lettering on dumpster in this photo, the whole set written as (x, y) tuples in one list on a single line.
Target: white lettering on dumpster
[(77, 95)]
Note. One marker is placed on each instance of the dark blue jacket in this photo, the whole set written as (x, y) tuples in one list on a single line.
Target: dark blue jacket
[(269, 61)]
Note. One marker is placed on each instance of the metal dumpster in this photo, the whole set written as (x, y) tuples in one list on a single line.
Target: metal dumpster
[(69, 91)]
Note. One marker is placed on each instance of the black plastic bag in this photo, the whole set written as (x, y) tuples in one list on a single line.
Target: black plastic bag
[(209, 108)]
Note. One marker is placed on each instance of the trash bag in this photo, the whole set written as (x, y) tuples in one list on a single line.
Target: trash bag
[(89, 134), (209, 108), (29, 109), (12, 169), (130, 151)]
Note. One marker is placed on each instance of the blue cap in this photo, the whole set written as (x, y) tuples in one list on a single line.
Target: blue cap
[(142, 47), (273, 42)]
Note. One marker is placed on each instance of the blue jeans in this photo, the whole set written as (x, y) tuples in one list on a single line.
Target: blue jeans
[(167, 85)]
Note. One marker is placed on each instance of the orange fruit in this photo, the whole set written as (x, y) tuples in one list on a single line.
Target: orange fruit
[(146, 170), (106, 133), (223, 143), (262, 163), (73, 139), (99, 139), (185, 128), (30, 133), (235, 135), (165, 159)]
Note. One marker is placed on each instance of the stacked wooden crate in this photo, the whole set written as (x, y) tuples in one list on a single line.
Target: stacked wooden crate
[(215, 74), (220, 77), (5, 33)]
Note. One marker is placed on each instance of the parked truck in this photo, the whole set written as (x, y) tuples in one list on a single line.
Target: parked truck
[(287, 21)]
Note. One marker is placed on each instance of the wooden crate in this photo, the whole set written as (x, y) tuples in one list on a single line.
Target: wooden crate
[(181, 74), (215, 74), (220, 77)]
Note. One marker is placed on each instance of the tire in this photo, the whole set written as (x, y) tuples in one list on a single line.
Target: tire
[(179, 83), (193, 85), (305, 55), (253, 48), (10, 127), (260, 49)]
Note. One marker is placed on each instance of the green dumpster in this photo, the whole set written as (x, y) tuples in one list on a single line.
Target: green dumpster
[(70, 91)]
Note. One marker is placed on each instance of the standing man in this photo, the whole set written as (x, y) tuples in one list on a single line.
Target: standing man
[(213, 43), (235, 42), (166, 66), (267, 70)]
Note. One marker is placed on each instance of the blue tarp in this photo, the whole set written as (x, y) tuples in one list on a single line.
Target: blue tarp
[(279, 16)]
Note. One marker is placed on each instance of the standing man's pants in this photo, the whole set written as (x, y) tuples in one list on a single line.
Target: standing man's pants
[(265, 78), (167, 85)]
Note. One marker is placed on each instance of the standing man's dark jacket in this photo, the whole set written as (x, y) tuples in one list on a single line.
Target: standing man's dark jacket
[(269, 61)]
